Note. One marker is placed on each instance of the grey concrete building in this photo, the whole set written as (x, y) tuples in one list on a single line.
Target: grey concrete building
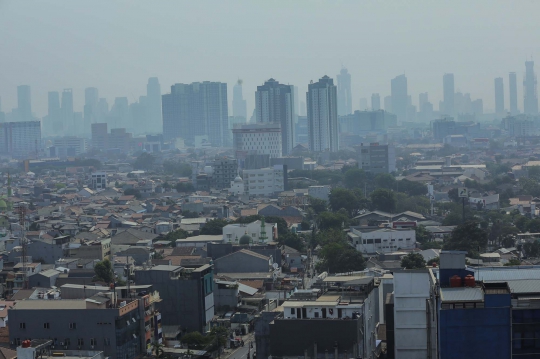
[(121, 328), (187, 298), (376, 158), (48, 250), (225, 171)]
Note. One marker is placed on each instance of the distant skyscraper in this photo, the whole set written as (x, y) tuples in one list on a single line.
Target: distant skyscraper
[(91, 100), (388, 104), (238, 102), (448, 94), (478, 107), (344, 93), (67, 111), (422, 99), (103, 110), (400, 97), (375, 102), (322, 116), (530, 101), (119, 116), (363, 104), (512, 80), (274, 103), (139, 115), (197, 109), (24, 101), (54, 114), (499, 95), (153, 99), (20, 139)]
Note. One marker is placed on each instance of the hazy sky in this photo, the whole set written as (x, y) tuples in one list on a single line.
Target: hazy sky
[(116, 45)]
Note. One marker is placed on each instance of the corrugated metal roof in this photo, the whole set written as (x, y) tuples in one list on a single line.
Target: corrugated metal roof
[(505, 274), (462, 294), (525, 286)]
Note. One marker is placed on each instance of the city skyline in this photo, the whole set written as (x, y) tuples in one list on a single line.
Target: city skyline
[(218, 61)]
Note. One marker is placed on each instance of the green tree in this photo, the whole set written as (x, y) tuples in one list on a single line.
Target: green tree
[(103, 271), (411, 188), (195, 340), (318, 205), (385, 180), (521, 222), (453, 195), (532, 249), (184, 187), (513, 262), (383, 200), (344, 198), (292, 240), (214, 227), (34, 226), (181, 169), (189, 214), (419, 204), (145, 161), (467, 237), (422, 234), (339, 257), (413, 261), (174, 235), (354, 178), (533, 226), (328, 220), (133, 192)]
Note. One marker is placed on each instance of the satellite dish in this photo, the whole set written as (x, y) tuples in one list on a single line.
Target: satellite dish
[(275, 265)]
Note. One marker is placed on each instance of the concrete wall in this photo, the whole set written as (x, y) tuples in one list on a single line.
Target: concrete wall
[(49, 253), (291, 337), (411, 289), (182, 300), (90, 323)]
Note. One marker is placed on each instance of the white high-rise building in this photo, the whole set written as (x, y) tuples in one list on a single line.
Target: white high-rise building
[(322, 116), (264, 181), (258, 139), (20, 139), (274, 103)]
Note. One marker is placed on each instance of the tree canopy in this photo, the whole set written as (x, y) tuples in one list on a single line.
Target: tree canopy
[(344, 198), (413, 261), (383, 200), (145, 161), (103, 271), (468, 237), (339, 257), (214, 227), (328, 220)]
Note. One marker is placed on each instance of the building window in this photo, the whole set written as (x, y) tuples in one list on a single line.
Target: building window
[(46, 326), (72, 325), (22, 325), (92, 341), (107, 341), (80, 342), (408, 239), (67, 342), (17, 341), (377, 240), (401, 239), (293, 311)]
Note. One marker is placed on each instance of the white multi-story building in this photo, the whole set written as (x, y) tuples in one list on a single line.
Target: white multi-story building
[(237, 186), (260, 139), (68, 146), (20, 139), (322, 116), (99, 180), (381, 240), (258, 233), (264, 181)]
